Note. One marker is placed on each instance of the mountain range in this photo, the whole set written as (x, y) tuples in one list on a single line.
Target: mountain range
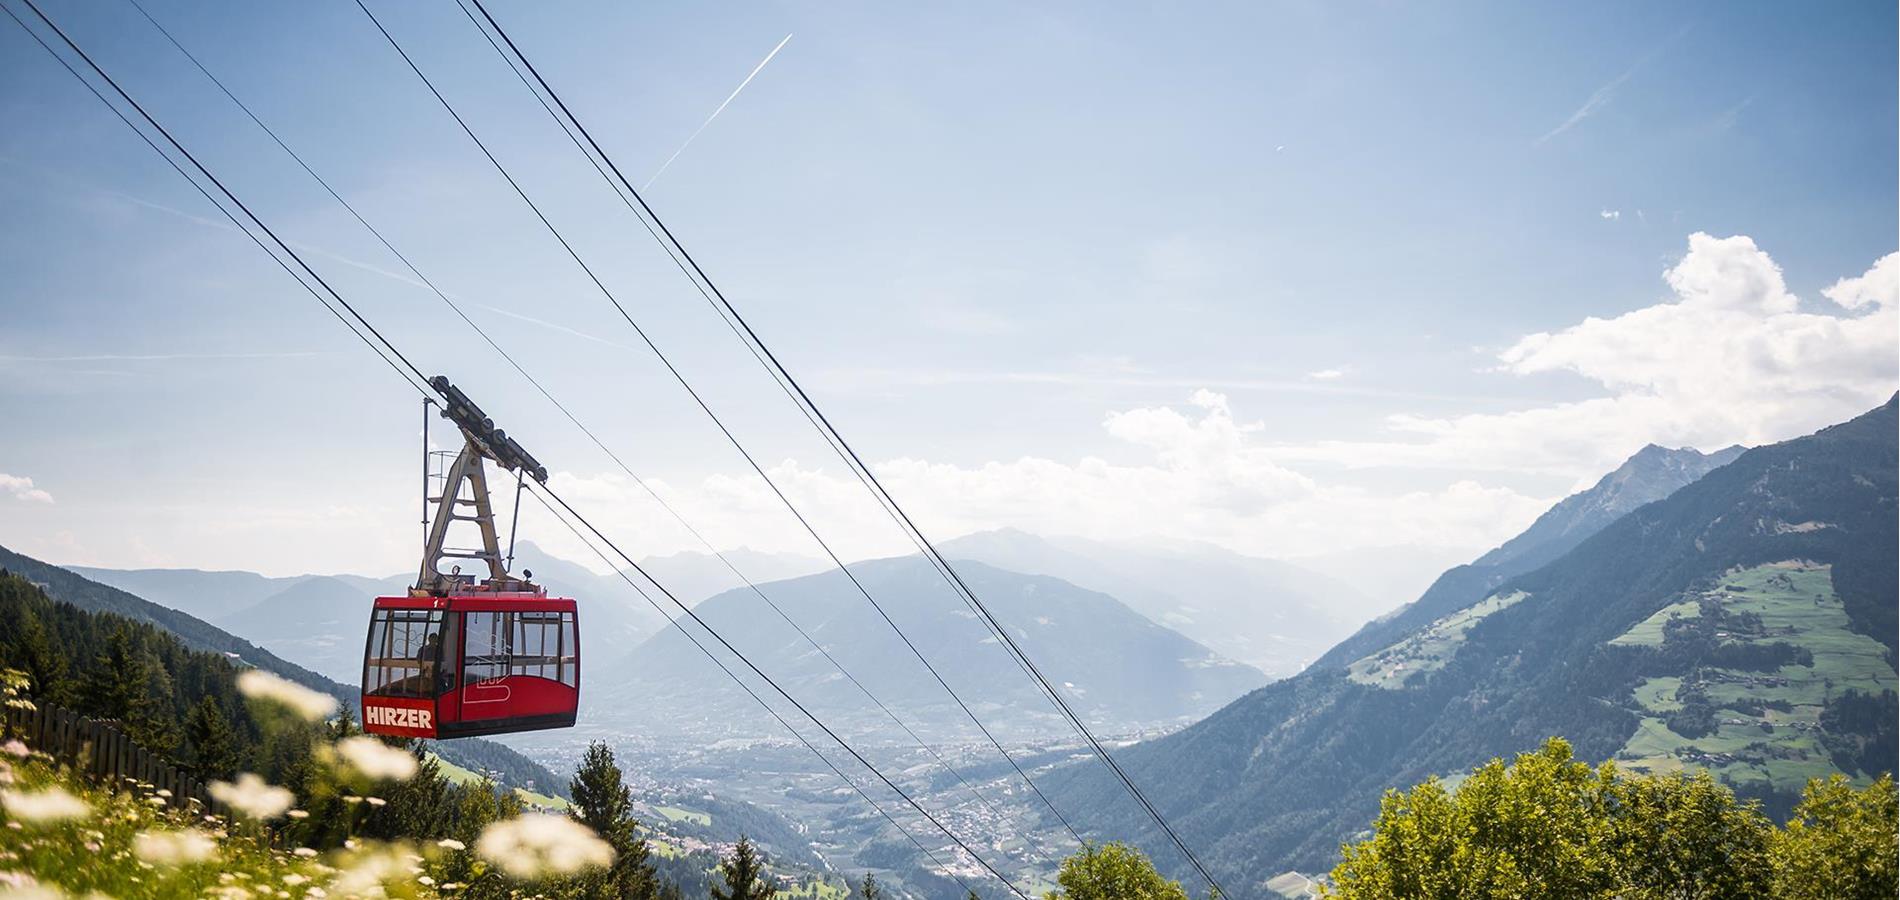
[(93, 596), (1650, 475), (1119, 668), (1206, 625), (1742, 621), (318, 620)]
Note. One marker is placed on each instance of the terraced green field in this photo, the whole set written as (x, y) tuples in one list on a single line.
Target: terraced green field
[(1796, 604), (1659, 694), (816, 890), (1427, 650), (676, 814), (1649, 632)]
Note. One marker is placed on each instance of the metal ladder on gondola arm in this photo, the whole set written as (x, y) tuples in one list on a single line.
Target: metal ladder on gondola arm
[(482, 443)]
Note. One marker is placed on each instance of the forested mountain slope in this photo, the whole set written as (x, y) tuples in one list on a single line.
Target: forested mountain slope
[(1739, 624), (196, 633)]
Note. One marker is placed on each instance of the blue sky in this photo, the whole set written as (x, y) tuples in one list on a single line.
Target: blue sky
[(1260, 274)]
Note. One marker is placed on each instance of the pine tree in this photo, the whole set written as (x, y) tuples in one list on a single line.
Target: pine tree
[(744, 873), (213, 743), (118, 685), (32, 652), (869, 890), (344, 725), (603, 803), (417, 807), (114, 685), (154, 719)]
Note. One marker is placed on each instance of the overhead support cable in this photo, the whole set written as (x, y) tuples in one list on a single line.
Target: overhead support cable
[(382, 350), (769, 708), (787, 382), (430, 284), (404, 366), (206, 172), (700, 401), (689, 612)]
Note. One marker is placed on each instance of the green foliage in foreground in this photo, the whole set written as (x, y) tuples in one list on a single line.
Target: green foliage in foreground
[(65, 834), (1113, 871), (1840, 843), (1550, 826)]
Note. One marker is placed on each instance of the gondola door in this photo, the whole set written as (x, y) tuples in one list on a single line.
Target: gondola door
[(485, 692)]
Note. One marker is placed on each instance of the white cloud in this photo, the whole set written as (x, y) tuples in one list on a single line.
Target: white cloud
[(22, 488), (1732, 357), (1880, 287), (1610, 214), (1202, 475), (1327, 374)]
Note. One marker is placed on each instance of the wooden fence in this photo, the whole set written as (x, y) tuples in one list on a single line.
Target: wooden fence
[(99, 747)]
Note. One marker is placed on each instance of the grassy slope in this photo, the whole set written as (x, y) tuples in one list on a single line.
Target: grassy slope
[(1429, 649), (459, 775)]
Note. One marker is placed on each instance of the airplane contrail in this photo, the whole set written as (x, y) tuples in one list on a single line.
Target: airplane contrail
[(556, 327), (716, 112)]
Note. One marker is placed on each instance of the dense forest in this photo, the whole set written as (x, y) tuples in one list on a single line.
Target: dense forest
[(180, 702)]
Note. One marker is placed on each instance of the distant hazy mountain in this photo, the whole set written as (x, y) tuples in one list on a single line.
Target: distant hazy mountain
[(318, 621), (694, 576), (1651, 475), (1274, 616), (1119, 668), (1392, 575), (1745, 624), (612, 612), (207, 595)]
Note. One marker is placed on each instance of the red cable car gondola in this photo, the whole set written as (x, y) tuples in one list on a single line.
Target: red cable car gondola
[(459, 657), (458, 666)]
